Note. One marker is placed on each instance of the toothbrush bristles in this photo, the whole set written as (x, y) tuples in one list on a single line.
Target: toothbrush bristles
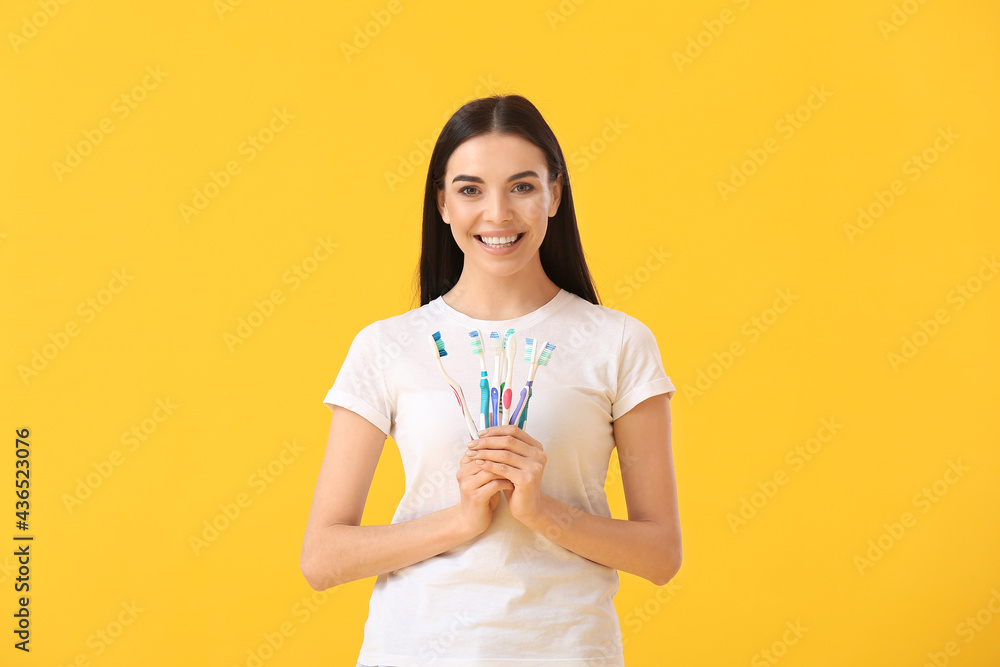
[(477, 342), (495, 343), (506, 336), (529, 344), (546, 355), (440, 343)]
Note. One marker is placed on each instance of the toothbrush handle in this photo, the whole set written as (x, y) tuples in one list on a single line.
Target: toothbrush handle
[(495, 414), (469, 421), (507, 394), (459, 399), (524, 412), (484, 403), (502, 413), (520, 402)]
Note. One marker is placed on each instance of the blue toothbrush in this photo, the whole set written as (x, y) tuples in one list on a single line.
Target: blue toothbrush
[(484, 381), (497, 349), (543, 360), (520, 413)]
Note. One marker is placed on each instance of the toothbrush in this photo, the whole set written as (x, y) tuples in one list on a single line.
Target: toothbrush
[(543, 360), (510, 351), (439, 351), (484, 382), (536, 360), (529, 344), (497, 351)]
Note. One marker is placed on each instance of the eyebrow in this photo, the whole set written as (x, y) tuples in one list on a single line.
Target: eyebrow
[(476, 179)]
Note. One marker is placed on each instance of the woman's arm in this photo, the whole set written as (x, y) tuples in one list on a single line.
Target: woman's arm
[(648, 544), (336, 548)]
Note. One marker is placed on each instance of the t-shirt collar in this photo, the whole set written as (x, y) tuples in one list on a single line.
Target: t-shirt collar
[(526, 320)]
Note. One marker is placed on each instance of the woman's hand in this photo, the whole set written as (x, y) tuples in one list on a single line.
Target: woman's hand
[(480, 490), (509, 452)]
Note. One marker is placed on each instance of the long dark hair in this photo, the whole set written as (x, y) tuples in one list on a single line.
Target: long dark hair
[(561, 252)]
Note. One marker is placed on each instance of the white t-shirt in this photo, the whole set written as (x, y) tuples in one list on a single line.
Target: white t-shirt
[(509, 595)]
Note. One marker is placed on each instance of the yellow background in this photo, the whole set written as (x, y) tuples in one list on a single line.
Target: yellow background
[(896, 75)]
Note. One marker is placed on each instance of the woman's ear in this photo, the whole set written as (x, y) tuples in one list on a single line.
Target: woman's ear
[(556, 190), (442, 207)]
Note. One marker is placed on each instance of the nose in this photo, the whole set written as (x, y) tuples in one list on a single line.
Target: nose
[(498, 209)]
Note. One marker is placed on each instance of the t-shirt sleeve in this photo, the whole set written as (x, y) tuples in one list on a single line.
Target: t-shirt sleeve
[(360, 384), (640, 369)]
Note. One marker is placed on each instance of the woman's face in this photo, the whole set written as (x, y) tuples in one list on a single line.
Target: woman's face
[(497, 199)]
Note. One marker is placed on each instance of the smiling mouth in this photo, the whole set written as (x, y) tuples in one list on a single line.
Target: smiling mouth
[(500, 241)]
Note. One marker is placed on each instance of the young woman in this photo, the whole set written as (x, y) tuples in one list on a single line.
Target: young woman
[(502, 549)]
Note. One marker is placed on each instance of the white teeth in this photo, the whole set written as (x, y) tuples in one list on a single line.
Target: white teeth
[(499, 240)]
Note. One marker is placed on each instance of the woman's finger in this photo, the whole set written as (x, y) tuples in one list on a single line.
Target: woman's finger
[(512, 432), (468, 468), (502, 442), (517, 476), (500, 457)]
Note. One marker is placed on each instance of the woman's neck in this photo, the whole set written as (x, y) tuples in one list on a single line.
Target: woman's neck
[(500, 298)]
